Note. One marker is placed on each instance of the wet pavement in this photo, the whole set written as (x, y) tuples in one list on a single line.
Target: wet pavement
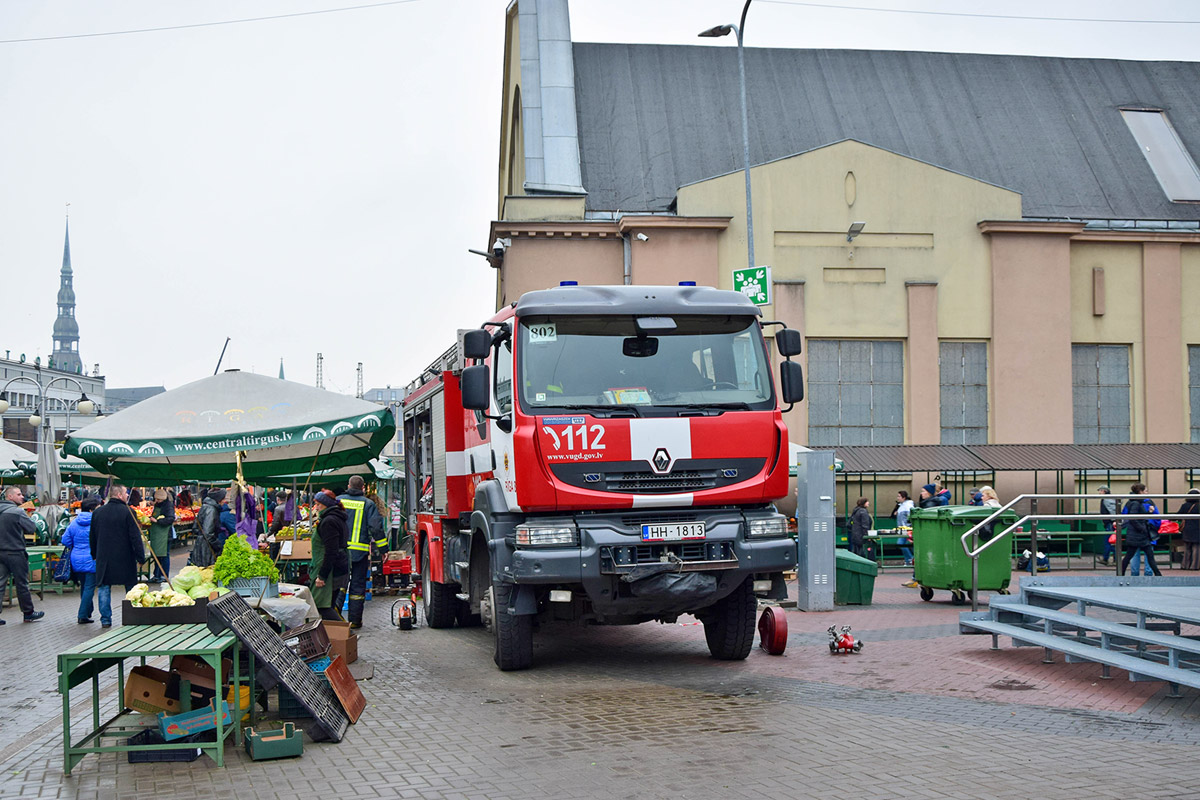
[(643, 712)]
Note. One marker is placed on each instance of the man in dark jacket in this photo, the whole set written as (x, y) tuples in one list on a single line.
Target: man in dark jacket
[(14, 558), (366, 531), (209, 539), (116, 547)]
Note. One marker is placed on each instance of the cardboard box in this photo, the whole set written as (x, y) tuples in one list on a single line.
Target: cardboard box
[(147, 690), (200, 674), (299, 550), (342, 640)]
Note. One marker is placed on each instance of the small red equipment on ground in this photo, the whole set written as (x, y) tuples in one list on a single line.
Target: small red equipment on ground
[(772, 630), (842, 642)]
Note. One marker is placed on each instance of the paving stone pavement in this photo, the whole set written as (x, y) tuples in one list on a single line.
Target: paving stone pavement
[(643, 712)]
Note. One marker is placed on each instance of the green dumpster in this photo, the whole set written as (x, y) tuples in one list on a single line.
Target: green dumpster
[(855, 579), (940, 561)]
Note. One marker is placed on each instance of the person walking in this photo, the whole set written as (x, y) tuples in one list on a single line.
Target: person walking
[(14, 558), (904, 507), (366, 533), (83, 566), (208, 540), (329, 562), (117, 547), (1139, 533), (927, 496), (161, 520), (1191, 531), (860, 523), (1109, 511)]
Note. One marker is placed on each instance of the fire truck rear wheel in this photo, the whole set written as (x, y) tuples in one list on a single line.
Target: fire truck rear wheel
[(438, 599), (729, 625), (513, 632)]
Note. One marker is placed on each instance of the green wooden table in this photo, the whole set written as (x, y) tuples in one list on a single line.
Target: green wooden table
[(88, 660), (37, 560)]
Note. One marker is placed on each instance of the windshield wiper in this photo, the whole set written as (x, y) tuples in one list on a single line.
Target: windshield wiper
[(599, 409), (705, 407)]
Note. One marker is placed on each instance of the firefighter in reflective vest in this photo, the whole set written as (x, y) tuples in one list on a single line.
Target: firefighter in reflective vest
[(366, 529)]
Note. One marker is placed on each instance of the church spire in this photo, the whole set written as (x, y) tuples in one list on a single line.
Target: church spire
[(66, 329)]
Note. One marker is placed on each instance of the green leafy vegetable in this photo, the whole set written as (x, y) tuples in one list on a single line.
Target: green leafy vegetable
[(237, 560)]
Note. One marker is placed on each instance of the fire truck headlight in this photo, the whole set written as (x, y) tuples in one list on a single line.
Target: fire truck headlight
[(771, 527), (547, 536)]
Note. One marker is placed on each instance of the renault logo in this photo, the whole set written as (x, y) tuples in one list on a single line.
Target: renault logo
[(661, 460)]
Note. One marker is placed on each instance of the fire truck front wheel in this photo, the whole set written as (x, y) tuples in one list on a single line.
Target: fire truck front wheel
[(438, 599), (729, 625), (513, 632)]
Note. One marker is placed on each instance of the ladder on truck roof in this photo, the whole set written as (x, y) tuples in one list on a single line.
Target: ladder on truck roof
[(451, 361)]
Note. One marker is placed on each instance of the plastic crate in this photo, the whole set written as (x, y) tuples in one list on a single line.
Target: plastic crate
[(308, 641), (320, 664), (254, 587), (290, 707), (281, 743), (151, 736)]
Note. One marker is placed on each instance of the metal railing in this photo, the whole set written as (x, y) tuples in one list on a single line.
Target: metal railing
[(975, 549)]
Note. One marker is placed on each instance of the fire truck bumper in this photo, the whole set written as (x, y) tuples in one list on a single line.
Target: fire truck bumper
[(628, 564)]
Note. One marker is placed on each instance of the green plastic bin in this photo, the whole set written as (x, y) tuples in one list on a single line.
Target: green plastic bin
[(855, 579), (938, 556)]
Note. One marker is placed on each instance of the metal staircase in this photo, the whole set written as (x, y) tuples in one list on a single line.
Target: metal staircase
[(1132, 623)]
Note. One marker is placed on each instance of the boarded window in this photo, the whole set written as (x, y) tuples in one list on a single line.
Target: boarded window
[(962, 369), (855, 393), (1100, 382), (1194, 388)]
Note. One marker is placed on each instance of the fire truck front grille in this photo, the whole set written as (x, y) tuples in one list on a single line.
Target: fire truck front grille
[(648, 482), (687, 475), (697, 555)]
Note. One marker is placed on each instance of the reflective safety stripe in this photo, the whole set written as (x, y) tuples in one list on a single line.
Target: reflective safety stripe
[(358, 508)]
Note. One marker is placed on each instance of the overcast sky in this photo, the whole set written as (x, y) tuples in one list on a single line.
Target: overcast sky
[(312, 184)]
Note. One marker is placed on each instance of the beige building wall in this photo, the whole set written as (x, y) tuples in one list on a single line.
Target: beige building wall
[(921, 231)]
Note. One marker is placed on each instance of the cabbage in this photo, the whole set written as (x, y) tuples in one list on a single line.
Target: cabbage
[(187, 578), (201, 590)]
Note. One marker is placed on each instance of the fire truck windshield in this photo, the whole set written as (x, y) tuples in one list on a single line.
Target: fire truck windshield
[(703, 362)]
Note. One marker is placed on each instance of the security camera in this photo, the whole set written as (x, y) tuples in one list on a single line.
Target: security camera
[(499, 246), (641, 237)]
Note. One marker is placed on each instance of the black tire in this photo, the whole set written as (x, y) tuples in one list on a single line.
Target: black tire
[(513, 632), (437, 598), (729, 625), (958, 598), (926, 593)]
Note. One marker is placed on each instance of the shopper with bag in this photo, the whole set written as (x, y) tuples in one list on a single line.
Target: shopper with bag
[(1140, 533), (78, 540)]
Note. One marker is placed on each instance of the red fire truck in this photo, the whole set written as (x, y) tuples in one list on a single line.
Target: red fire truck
[(603, 455)]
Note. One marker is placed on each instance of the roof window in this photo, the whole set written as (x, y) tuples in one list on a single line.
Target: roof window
[(1160, 144)]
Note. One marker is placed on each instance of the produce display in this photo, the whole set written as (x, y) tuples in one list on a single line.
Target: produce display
[(237, 560), (184, 516), (288, 532), (196, 582), (142, 597)]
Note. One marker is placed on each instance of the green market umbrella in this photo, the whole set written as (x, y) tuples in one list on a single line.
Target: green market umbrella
[(70, 468), (10, 471), (196, 432)]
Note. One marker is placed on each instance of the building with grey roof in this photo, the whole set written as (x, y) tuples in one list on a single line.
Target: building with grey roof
[(977, 248)]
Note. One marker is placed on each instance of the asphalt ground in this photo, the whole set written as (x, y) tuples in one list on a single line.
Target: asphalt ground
[(644, 712)]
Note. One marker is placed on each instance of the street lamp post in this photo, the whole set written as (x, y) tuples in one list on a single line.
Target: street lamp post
[(724, 30), (40, 419)]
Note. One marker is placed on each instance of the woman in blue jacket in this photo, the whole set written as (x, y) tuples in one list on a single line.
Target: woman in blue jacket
[(83, 567)]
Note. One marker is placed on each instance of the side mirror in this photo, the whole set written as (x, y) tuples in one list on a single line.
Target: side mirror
[(474, 385), (477, 343), (791, 382), (788, 342)]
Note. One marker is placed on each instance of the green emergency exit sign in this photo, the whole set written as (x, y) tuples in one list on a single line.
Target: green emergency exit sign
[(755, 283)]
